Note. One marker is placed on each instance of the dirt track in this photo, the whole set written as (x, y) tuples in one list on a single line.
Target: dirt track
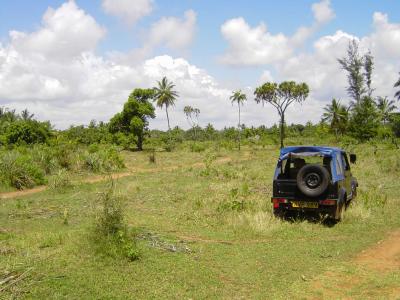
[(98, 178), (384, 257)]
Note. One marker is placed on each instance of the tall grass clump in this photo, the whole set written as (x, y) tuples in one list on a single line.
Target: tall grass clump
[(103, 160), (44, 157), (65, 155), (19, 170), (60, 181), (111, 235)]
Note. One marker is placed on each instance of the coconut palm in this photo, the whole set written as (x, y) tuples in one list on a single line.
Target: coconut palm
[(165, 96), (385, 107), (239, 98), (192, 115), (337, 115), (26, 115), (397, 85)]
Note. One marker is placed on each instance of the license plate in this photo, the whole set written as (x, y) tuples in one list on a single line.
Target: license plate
[(304, 204)]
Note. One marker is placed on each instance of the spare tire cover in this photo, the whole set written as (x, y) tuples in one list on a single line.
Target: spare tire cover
[(313, 180)]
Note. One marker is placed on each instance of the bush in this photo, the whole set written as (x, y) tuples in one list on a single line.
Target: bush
[(44, 157), (64, 155), (104, 160), (197, 147), (60, 181), (19, 171), (111, 234), (27, 132)]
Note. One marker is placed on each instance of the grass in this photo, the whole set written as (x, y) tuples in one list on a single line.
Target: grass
[(199, 234)]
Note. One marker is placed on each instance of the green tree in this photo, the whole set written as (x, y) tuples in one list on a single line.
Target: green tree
[(385, 108), (239, 98), (397, 85), (281, 97), (353, 64), (28, 132), (337, 116), (192, 116), (165, 96), (133, 120), (365, 119), (368, 68)]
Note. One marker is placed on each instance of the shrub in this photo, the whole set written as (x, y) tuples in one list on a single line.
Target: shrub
[(237, 199), (60, 181), (64, 155), (107, 159), (27, 132), (111, 235), (197, 147), (208, 162), (19, 171), (152, 156), (44, 157)]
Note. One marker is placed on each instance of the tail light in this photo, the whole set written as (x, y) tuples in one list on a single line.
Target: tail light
[(277, 201), (328, 202)]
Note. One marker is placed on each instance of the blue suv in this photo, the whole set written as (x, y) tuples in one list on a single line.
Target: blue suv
[(313, 179)]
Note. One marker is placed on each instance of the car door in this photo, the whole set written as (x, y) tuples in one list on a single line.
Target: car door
[(347, 174)]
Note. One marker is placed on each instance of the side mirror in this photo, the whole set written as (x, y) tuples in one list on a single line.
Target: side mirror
[(353, 158)]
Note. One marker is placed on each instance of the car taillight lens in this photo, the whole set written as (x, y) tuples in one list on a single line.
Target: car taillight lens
[(327, 202), (277, 201)]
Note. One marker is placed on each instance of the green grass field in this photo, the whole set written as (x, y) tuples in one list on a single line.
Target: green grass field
[(204, 230)]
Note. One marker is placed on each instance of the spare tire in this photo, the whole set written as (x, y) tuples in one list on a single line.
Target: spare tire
[(313, 180)]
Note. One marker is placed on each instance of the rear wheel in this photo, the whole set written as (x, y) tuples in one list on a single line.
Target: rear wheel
[(340, 212)]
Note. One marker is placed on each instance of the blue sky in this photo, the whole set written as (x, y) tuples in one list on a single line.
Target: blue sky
[(213, 36)]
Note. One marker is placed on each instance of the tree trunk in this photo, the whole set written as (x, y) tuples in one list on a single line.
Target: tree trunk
[(139, 143), (239, 125), (166, 110), (282, 131)]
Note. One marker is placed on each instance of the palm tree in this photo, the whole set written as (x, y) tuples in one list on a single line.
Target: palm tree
[(397, 84), (385, 107), (164, 95), (239, 97), (26, 115), (192, 115), (337, 115)]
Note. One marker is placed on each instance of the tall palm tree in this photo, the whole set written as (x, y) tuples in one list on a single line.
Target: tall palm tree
[(385, 107), (164, 95), (26, 115), (192, 116), (337, 115), (239, 98), (397, 84)]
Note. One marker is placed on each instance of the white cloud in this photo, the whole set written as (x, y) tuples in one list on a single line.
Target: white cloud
[(65, 32), (129, 11), (173, 32), (256, 46), (252, 46), (323, 12)]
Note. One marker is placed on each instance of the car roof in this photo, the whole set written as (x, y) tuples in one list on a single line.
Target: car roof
[(309, 150)]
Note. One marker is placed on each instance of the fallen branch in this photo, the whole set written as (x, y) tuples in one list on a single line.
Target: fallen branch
[(19, 278)]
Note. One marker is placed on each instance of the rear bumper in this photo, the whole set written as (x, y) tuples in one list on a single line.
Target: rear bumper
[(281, 208)]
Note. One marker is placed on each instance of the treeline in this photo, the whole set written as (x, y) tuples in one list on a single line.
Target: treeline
[(366, 116)]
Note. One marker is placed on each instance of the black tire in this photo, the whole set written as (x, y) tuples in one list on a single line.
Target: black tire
[(340, 215), (313, 180)]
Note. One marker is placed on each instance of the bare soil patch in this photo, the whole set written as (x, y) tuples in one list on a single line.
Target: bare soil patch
[(383, 257)]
